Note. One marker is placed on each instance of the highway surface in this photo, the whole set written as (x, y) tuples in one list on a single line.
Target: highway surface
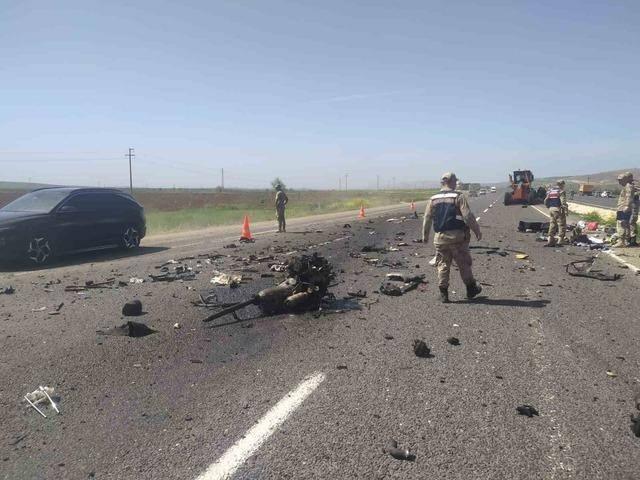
[(600, 202), (320, 396)]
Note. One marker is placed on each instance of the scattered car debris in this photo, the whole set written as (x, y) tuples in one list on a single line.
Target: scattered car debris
[(7, 290), (583, 268), (177, 326), (532, 226), (129, 329), (453, 341), (132, 308), (635, 425), (372, 249), (358, 294), (308, 282), (90, 284), (420, 349), (388, 337), (611, 374), (399, 284), (278, 267), (341, 367), (527, 411), (522, 256), (346, 225), (180, 273), (398, 453), (226, 279), (136, 280), (41, 395)]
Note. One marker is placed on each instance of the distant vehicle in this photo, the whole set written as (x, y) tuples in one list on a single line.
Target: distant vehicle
[(51, 222), (494, 189), (482, 191), (473, 193), (522, 191), (586, 189), (606, 194)]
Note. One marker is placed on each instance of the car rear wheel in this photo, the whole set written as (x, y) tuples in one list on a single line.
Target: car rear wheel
[(39, 250), (130, 238)]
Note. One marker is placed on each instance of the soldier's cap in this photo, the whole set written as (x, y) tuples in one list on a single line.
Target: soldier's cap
[(625, 176), (447, 177), (278, 187), (560, 182)]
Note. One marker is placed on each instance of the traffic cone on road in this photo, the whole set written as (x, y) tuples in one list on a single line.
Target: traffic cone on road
[(246, 232), (361, 214)]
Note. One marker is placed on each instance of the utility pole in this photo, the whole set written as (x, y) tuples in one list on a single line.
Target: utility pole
[(222, 179), (346, 179), (130, 155), (339, 184)]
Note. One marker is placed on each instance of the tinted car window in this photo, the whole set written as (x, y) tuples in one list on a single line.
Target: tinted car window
[(90, 202), (41, 201)]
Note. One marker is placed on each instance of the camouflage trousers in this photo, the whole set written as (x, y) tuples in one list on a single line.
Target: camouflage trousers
[(633, 225), (623, 229), (558, 224), (458, 252), (282, 223)]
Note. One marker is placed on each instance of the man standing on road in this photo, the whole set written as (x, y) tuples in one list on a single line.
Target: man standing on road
[(556, 202), (452, 221), (633, 223), (281, 203), (624, 209)]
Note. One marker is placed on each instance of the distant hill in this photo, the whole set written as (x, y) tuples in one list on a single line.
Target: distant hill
[(601, 178), (22, 185)]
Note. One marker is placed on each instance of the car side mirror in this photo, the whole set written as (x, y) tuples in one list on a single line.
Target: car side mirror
[(67, 209)]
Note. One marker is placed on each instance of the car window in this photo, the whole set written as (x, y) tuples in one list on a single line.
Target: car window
[(89, 202), (40, 201)]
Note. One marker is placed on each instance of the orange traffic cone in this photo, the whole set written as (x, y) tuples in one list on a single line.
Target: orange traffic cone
[(361, 214), (246, 232)]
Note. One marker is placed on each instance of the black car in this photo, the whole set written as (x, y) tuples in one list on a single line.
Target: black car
[(55, 221)]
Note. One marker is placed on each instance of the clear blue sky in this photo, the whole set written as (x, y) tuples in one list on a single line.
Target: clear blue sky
[(311, 90)]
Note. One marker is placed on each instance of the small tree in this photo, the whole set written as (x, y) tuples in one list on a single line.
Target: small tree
[(277, 181)]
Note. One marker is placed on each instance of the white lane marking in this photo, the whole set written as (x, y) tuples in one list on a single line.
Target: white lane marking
[(616, 257), (485, 210), (540, 211), (477, 219), (244, 448)]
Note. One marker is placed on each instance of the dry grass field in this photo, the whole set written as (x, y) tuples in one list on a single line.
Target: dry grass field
[(171, 210)]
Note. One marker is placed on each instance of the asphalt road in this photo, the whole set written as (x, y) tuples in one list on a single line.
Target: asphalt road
[(596, 201), (172, 404)]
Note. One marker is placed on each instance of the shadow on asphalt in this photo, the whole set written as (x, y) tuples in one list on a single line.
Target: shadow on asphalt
[(506, 302), (82, 258)]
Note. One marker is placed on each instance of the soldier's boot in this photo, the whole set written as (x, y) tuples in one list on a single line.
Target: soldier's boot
[(444, 295), (562, 241), (473, 289)]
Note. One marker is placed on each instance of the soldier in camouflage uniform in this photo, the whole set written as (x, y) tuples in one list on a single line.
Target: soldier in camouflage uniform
[(281, 204), (556, 202), (449, 213), (633, 223), (624, 209)]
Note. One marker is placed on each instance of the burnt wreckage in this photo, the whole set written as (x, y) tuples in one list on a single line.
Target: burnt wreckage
[(307, 284)]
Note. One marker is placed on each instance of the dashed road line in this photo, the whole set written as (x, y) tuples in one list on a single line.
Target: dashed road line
[(244, 448)]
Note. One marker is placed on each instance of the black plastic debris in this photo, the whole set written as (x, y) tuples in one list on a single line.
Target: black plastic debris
[(532, 226), (132, 309), (635, 425), (129, 329), (7, 290), (347, 225), (398, 453), (527, 411), (373, 249), (453, 341), (583, 268), (398, 284), (420, 349), (358, 294)]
